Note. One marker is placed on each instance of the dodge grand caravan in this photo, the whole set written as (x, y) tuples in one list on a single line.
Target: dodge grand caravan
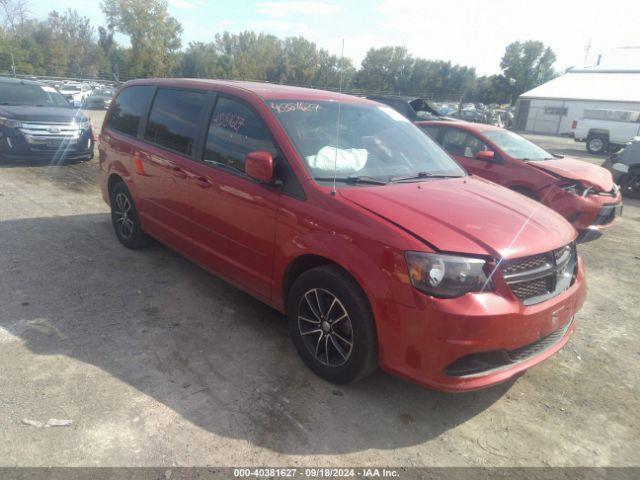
[(341, 213)]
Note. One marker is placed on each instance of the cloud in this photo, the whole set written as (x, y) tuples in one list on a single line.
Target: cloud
[(187, 4), (302, 7)]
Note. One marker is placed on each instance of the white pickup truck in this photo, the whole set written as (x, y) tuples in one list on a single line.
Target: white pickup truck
[(605, 130)]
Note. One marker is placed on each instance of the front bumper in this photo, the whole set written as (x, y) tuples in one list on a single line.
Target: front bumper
[(440, 332), (20, 148), (589, 213)]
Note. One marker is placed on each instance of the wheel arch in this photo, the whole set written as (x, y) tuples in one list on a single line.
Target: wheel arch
[(304, 263), (114, 178), (598, 131)]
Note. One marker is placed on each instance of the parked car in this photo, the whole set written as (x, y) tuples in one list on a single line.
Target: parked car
[(583, 193), (75, 93), (36, 122), (606, 130), (624, 165), (100, 98), (470, 115), (342, 214), (411, 107)]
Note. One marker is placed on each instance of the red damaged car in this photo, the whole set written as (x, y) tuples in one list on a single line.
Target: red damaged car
[(584, 194), (342, 214)]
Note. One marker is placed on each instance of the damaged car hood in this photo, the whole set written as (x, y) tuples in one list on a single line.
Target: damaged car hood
[(574, 169), (467, 215)]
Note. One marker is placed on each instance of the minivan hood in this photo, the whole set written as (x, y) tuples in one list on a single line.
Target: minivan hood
[(29, 113), (574, 169), (467, 215)]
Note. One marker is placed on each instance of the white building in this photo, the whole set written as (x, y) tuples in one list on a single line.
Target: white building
[(552, 107)]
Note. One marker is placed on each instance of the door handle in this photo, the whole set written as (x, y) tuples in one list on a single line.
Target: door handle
[(202, 182), (178, 172)]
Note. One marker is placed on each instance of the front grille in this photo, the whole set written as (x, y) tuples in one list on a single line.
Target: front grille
[(521, 264), (50, 134), (524, 353), (483, 363), (537, 278), (607, 214), (532, 288)]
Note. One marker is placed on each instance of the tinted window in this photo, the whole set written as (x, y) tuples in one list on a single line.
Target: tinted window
[(173, 121), (462, 143), (234, 131), (128, 108)]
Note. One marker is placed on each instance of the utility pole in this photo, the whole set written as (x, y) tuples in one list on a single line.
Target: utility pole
[(587, 49), (13, 65)]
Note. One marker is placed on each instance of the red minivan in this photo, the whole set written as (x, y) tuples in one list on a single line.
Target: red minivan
[(342, 214), (584, 194)]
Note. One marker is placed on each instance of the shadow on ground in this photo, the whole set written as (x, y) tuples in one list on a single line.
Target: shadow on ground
[(214, 355)]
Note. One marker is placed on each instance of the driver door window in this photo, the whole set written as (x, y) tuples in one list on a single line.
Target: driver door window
[(462, 143), (234, 131)]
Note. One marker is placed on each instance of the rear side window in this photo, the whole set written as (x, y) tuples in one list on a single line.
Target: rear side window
[(173, 121), (128, 108), (235, 130)]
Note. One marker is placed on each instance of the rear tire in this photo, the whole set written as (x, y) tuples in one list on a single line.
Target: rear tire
[(332, 326), (125, 219), (597, 144)]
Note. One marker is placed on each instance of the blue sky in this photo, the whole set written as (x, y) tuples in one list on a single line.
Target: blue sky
[(469, 32)]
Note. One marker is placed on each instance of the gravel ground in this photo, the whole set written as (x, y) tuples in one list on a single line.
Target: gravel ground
[(158, 363)]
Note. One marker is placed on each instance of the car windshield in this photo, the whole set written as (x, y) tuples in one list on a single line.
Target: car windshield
[(30, 94), (516, 146), (71, 88), (102, 93), (371, 142)]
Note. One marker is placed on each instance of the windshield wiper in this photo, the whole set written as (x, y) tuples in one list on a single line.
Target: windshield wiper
[(421, 175), (353, 180)]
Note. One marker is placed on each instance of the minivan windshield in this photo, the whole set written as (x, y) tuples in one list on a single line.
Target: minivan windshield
[(370, 142), (30, 94), (516, 146)]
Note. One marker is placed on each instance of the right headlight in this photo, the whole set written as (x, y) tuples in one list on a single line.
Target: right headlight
[(10, 123), (447, 276)]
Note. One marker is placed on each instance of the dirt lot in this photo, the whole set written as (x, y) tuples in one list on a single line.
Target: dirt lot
[(158, 363)]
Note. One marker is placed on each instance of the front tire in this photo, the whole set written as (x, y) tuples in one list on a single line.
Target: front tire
[(125, 219), (597, 144), (332, 326), (630, 184)]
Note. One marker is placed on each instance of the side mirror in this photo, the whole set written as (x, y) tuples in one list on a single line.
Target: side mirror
[(486, 155), (259, 166)]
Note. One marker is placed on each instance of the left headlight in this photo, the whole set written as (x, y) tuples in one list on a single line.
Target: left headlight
[(575, 188), (446, 276), (10, 123)]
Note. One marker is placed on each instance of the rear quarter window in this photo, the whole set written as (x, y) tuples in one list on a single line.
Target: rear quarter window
[(128, 108)]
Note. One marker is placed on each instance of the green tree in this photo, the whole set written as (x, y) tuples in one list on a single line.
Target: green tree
[(525, 65), (153, 33), (248, 55), (386, 69)]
